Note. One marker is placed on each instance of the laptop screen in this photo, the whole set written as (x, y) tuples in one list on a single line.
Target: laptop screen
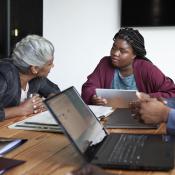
[(79, 122)]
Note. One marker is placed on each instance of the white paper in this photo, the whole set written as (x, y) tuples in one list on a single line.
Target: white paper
[(101, 111)]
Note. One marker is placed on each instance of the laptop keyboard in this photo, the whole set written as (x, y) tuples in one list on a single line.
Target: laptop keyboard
[(127, 149)]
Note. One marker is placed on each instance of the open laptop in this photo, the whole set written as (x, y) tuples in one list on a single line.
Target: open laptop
[(115, 150), (122, 118)]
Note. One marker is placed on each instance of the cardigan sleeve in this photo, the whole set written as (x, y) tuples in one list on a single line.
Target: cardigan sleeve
[(101, 77), (47, 87), (151, 80), (88, 88)]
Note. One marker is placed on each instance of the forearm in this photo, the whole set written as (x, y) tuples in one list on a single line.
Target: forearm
[(13, 112)]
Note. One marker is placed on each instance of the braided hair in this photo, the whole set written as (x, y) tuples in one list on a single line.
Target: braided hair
[(134, 39)]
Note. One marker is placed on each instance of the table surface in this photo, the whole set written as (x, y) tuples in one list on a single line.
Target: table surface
[(51, 153)]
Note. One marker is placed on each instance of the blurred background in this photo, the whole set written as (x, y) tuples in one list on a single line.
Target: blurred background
[(82, 32)]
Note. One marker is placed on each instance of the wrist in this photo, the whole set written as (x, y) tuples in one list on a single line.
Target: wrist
[(19, 110)]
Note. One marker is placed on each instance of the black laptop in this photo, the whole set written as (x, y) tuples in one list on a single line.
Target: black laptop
[(116, 150), (122, 118)]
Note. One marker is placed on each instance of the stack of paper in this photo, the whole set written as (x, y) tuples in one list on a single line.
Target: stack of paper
[(101, 111), (44, 121)]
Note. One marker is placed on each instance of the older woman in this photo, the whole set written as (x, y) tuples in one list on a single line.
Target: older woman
[(25, 74)]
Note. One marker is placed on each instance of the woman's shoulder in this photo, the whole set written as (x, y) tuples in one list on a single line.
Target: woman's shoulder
[(6, 65), (105, 59), (105, 62), (144, 62), (8, 72), (39, 81), (145, 66)]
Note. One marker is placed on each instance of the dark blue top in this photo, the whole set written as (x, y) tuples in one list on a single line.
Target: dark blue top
[(10, 86), (171, 116), (171, 122)]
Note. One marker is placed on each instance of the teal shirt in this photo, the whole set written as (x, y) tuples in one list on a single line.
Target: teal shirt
[(119, 82)]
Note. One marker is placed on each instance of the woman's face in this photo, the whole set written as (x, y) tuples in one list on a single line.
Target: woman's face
[(45, 69), (122, 54)]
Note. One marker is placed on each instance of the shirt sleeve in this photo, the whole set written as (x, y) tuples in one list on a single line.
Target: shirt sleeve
[(171, 122), (47, 87), (101, 77), (3, 87)]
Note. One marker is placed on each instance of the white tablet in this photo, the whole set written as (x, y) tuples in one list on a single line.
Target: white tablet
[(126, 95)]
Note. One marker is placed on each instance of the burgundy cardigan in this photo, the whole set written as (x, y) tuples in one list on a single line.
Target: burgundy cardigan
[(149, 79)]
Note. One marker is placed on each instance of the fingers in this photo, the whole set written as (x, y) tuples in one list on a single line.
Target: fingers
[(136, 105), (36, 99), (38, 105), (144, 118), (99, 100), (89, 170), (162, 100), (146, 114), (142, 96), (135, 108), (86, 170)]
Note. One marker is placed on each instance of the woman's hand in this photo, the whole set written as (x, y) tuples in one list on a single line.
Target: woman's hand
[(32, 105), (96, 100)]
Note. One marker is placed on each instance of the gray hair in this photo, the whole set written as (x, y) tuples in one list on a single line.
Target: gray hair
[(32, 50)]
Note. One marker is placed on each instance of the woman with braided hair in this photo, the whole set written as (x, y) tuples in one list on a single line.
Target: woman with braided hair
[(127, 68)]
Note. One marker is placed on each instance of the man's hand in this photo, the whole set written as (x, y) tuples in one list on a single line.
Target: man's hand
[(89, 170), (135, 105), (153, 112), (150, 110)]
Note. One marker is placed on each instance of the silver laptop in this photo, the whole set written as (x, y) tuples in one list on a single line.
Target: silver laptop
[(116, 150)]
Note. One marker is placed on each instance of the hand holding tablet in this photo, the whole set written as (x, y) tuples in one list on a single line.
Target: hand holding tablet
[(117, 97)]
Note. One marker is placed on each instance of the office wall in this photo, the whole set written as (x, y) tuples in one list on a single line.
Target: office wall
[(82, 33)]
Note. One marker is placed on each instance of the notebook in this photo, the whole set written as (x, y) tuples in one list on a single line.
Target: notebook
[(122, 118), (7, 144), (6, 163), (116, 150)]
